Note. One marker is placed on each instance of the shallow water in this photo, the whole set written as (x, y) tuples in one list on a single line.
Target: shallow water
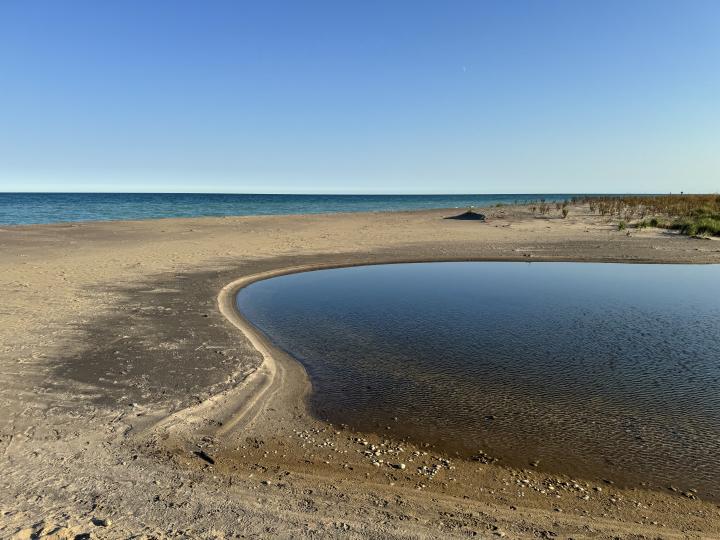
[(597, 370), (27, 208)]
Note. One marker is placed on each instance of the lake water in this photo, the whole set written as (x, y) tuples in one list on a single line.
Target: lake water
[(27, 208), (604, 371)]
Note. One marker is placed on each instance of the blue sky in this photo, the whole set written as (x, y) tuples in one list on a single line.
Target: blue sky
[(360, 97)]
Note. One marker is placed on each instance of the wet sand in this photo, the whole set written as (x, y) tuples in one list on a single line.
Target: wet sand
[(125, 371)]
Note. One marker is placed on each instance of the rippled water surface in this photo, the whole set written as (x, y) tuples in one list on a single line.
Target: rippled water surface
[(602, 370), (27, 208)]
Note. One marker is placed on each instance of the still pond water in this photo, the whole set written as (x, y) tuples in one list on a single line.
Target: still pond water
[(597, 370)]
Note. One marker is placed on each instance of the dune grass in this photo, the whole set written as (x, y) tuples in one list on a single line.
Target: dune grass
[(693, 215)]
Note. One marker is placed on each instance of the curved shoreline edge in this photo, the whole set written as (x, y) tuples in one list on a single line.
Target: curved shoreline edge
[(279, 373), (239, 405), (280, 382), (275, 361)]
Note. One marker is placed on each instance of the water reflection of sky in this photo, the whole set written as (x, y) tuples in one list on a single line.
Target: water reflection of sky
[(594, 357)]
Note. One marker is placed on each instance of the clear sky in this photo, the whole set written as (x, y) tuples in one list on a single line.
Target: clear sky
[(360, 97)]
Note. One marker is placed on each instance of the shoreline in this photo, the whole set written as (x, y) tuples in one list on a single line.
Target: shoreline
[(281, 204), (139, 351), (276, 358)]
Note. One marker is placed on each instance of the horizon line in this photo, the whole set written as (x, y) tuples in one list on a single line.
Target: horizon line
[(310, 194)]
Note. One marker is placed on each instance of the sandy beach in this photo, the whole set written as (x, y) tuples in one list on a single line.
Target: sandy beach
[(137, 403)]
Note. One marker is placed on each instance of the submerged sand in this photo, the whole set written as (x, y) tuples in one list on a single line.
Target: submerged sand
[(137, 402)]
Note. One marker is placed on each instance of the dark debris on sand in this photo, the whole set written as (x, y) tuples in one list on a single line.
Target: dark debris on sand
[(469, 216)]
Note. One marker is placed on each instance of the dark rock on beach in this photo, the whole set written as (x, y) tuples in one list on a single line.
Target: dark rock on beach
[(469, 216)]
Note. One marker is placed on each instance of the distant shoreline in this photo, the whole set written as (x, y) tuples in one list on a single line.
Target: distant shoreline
[(47, 208)]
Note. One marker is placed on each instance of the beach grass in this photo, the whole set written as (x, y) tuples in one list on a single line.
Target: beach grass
[(693, 215)]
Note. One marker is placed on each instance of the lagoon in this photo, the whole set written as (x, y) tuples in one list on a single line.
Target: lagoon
[(603, 371)]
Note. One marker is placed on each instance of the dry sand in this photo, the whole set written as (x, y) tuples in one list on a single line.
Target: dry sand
[(124, 371)]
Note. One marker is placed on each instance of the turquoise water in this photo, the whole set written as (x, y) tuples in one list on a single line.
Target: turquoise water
[(28, 208), (605, 371)]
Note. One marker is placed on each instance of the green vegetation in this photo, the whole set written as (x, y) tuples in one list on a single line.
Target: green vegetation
[(699, 226), (693, 215)]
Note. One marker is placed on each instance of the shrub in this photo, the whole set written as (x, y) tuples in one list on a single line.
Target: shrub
[(704, 226), (565, 212), (622, 226), (688, 228), (709, 225)]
